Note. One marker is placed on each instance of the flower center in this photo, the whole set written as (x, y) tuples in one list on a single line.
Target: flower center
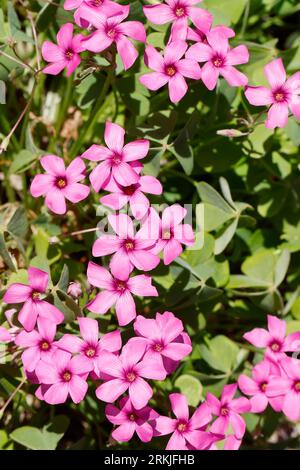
[(297, 386), (224, 411), (116, 159), (69, 55), (129, 190), (121, 286), (111, 33), (263, 387), (279, 95), (170, 70), (181, 426), (218, 61), (158, 347), (167, 235), (90, 352), (179, 12), (132, 417), (96, 3), (61, 183), (45, 346), (275, 347), (67, 376), (35, 295), (129, 245), (130, 376)]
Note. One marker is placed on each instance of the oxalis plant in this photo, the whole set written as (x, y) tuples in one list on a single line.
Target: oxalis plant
[(149, 224)]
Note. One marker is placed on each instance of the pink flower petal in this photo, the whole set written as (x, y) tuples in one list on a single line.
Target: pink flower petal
[(56, 202), (111, 390), (65, 35), (97, 153), (17, 293), (53, 165), (124, 432), (41, 184), (259, 96), (51, 52), (275, 73), (100, 176), (57, 393), (124, 174), (159, 14), (125, 309), (179, 406), (238, 55), (127, 52), (258, 337), (233, 76), (97, 41), (177, 88), (133, 29), (141, 285), (189, 68), (277, 116), (99, 276), (210, 75), (153, 59), (28, 315), (122, 225), (120, 265), (102, 302), (155, 80), (77, 389), (200, 52), (89, 329), (140, 393), (174, 51), (136, 150)]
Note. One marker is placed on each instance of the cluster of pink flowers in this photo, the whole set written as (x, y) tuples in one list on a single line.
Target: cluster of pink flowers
[(193, 39)]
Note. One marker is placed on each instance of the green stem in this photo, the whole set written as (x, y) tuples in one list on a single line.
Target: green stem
[(64, 108), (89, 124)]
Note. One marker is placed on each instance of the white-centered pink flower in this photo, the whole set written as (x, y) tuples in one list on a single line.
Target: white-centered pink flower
[(114, 30), (131, 250), (63, 376), (64, 54), (32, 296), (38, 344), (164, 337), (219, 59), (128, 420), (90, 345), (170, 69), (60, 183), (104, 7), (117, 291), (117, 159), (178, 12), (282, 96), (128, 372)]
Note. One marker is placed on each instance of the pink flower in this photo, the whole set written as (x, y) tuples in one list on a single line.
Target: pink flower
[(287, 388), (164, 337), (91, 347), (170, 69), (74, 290), (65, 54), (282, 96), (187, 433), (114, 30), (117, 291), (38, 344), (104, 7), (127, 372), (117, 159), (220, 60), (63, 376), (178, 12), (228, 411), (257, 386), (130, 249), (129, 420), (274, 339), (169, 231), (31, 295), (133, 194), (60, 183)]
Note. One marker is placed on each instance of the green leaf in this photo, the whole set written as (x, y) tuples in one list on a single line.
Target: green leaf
[(191, 388), (64, 279), (2, 92), (210, 217), (22, 161), (209, 195), (42, 439), (220, 354), (225, 11), (182, 148), (222, 241), (281, 267)]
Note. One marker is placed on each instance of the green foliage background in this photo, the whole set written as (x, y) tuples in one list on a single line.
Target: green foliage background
[(244, 191)]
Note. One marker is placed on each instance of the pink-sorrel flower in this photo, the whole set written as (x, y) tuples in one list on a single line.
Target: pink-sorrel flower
[(116, 159), (133, 194), (287, 388), (90, 346), (7, 335), (170, 69), (38, 343), (114, 30), (32, 296), (64, 375), (178, 12), (164, 337), (65, 54), (187, 433), (228, 411), (274, 339), (130, 249), (257, 386), (127, 372), (60, 183), (74, 290), (169, 231), (117, 291), (129, 420), (282, 96), (220, 60)]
